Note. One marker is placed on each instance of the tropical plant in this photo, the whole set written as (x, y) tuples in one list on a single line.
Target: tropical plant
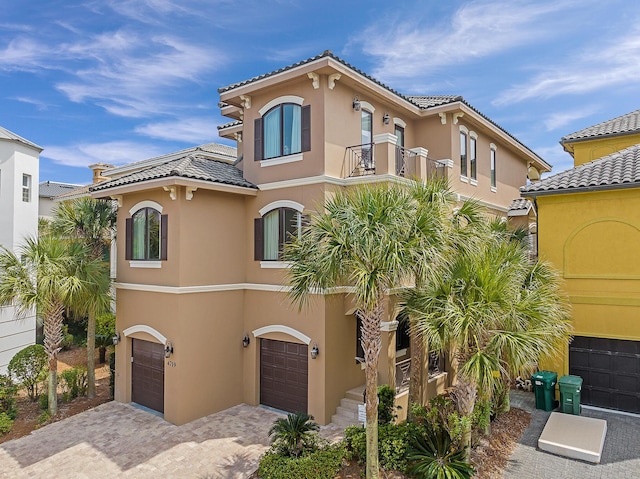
[(74, 382), (48, 275), (92, 222), (8, 391), (386, 404), (105, 330), (433, 456), (292, 435), (29, 367), (323, 463), (494, 311)]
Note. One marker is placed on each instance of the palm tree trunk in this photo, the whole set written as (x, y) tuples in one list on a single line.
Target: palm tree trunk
[(372, 345), (52, 344), (465, 394), (91, 355), (416, 371)]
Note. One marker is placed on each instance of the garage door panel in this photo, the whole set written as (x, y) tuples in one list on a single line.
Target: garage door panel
[(580, 358), (283, 375), (147, 374), (626, 363), (626, 383)]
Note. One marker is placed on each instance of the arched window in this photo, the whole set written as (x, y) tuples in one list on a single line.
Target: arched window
[(283, 130), (146, 235), (275, 228)]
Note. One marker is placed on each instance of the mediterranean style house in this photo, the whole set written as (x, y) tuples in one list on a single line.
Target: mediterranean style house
[(19, 168), (203, 318), (589, 228)]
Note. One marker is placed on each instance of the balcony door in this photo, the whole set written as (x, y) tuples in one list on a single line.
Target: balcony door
[(367, 140)]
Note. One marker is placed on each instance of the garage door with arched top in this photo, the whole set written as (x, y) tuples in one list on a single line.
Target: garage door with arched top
[(147, 374), (283, 375), (610, 371)]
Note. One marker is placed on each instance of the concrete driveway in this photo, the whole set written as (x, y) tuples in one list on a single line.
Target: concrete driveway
[(620, 456), (120, 440)]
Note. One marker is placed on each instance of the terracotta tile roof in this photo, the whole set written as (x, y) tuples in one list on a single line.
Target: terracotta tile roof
[(230, 124), (625, 124), (520, 204), (191, 166), (617, 170), (49, 189), (426, 102), (9, 135)]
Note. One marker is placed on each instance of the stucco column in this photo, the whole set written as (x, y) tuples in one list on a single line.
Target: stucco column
[(420, 162), (385, 153), (387, 362)]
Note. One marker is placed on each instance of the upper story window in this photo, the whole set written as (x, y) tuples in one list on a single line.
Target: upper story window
[(146, 233), (492, 165), (280, 223), (26, 188), (473, 140), (463, 153), (283, 129)]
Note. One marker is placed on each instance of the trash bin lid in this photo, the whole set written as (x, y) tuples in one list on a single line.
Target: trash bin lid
[(547, 376), (570, 381)]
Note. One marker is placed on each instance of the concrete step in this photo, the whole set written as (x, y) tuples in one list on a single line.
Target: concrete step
[(347, 413), (343, 422), (350, 403), (356, 394)]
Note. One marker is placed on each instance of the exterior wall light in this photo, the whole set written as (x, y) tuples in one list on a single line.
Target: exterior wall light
[(314, 351), (168, 349), (246, 341), (356, 104), (386, 118), (116, 338)]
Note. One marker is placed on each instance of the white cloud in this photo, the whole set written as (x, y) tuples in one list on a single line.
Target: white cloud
[(40, 105), (192, 130), (563, 118), (23, 54), (596, 68), (112, 152), (413, 47)]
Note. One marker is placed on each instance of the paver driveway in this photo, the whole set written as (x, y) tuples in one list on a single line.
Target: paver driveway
[(119, 440)]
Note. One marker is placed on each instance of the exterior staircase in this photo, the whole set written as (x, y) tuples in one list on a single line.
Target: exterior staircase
[(347, 412)]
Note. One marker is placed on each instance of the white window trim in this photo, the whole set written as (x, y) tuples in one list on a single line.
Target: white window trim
[(365, 105), (494, 189), (472, 134), (494, 148), (464, 179), (399, 122), (275, 264), (145, 204), (281, 204), (139, 263), (143, 328), (281, 160), (473, 182), (279, 328), (298, 100), (464, 129)]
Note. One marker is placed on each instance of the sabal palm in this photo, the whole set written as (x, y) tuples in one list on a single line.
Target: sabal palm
[(48, 274), (293, 432), (362, 239), (495, 309), (92, 222)]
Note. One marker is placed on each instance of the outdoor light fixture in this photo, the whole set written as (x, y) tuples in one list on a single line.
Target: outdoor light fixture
[(314, 351), (386, 118), (168, 349), (116, 338), (245, 341), (356, 104)]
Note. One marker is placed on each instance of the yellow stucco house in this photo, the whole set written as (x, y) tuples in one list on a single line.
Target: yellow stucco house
[(589, 228)]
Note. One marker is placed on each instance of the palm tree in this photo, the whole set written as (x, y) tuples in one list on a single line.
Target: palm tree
[(364, 239), (93, 223), (48, 274), (492, 308), (293, 433)]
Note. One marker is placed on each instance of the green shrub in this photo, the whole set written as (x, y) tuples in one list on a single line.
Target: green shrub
[(393, 443), (441, 414), (43, 400), (321, 464), (105, 330), (295, 434), (29, 368), (433, 455), (6, 423), (67, 338), (112, 373), (386, 404), (74, 382), (8, 391), (43, 418)]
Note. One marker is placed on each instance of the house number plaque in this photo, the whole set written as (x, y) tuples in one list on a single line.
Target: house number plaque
[(171, 364)]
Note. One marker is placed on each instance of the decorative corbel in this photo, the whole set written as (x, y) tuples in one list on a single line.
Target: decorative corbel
[(443, 118), (315, 79), (189, 192), (173, 191), (246, 101), (333, 78), (457, 116), (238, 136)]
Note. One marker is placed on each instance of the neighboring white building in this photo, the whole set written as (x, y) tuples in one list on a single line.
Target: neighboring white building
[(19, 170), (47, 191)]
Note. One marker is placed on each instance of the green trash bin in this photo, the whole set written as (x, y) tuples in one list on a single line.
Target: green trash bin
[(544, 387), (570, 387)]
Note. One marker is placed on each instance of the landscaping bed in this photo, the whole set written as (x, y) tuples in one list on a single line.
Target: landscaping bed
[(29, 413)]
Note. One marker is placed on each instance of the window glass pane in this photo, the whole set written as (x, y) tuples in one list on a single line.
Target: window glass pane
[(463, 154), (400, 134), (472, 157), (366, 127), (292, 129), (26, 188), (139, 226), (291, 224), (493, 168), (153, 224), (272, 135), (271, 227)]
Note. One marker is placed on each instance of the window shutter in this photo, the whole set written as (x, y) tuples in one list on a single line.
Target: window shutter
[(258, 238), (257, 139), (163, 236), (128, 234), (306, 128)]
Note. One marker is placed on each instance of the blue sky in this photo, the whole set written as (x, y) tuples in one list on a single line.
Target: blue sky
[(123, 80)]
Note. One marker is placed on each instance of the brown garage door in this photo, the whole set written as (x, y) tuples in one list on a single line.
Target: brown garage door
[(147, 374), (283, 375), (610, 371)]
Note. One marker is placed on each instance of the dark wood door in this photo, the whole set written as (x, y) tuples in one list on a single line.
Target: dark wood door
[(147, 374), (283, 375), (610, 371)]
